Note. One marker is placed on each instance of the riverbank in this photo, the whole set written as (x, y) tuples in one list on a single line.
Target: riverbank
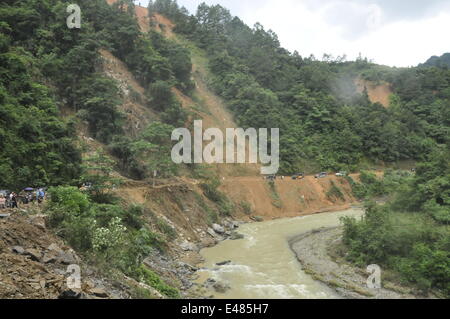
[(316, 252), (262, 265)]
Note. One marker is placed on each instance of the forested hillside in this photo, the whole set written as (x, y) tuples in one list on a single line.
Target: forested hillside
[(442, 61), (324, 123), (46, 65), (55, 95)]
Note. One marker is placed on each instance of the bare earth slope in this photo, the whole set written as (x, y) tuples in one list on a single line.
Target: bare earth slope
[(378, 93), (290, 198)]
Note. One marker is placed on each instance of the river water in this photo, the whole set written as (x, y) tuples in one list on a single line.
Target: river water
[(263, 265)]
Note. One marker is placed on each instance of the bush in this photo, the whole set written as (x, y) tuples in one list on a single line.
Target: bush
[(68, 211), (246, 207), (224, 205), (161, 96), (107, 238), (409, 244), (368, 239), (150, 278), (335, 192), (133, 217), (166, 229)]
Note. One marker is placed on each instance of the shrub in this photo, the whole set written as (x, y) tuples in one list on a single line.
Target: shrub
[(160, 94), (335, 192), (150, 278), (109, 238), (211, 192), (166, 229), (246, 207), (133, 217)]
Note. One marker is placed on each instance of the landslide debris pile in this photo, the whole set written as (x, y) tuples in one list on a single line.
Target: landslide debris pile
[(34, 263)]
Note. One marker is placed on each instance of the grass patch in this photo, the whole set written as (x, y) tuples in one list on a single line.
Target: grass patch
[(276, 200), (335, 192), (246, 207), (150, 278)]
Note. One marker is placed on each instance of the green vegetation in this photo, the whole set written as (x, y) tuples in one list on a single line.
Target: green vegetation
[(212, 216), (36, 146), (113, 236), (45, 65), (211, 191), (411, 233), (246, 207), (48, 71), (322, 118), (154, 147), (441, 62), (276, 200), (150, 278), (335, 192)]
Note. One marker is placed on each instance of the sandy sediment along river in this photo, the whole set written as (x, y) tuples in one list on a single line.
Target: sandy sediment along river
[(263, 265)]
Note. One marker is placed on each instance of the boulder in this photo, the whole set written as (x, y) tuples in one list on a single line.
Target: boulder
[(49, 257), (257, 218), (71, 294), (187, 246), (18, 250), (221, 287), (187, 266), (153, 292), (228, 224), (98, 292), (54, 247), (236, 236), (218, 229), (34, 254), (211, 232), (209, 282), (67, 257)]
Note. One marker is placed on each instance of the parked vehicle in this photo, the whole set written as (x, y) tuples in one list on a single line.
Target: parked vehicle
[(341, 174), (321, 175), (298, 176)]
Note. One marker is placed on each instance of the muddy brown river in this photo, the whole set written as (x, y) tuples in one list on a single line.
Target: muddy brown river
[(263, 265)]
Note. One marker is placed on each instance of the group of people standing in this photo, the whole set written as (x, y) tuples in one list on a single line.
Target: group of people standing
[(8, 201), (11, 200)]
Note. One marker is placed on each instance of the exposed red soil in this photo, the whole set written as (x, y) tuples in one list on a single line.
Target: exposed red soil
[(291, 197), (378, 93)]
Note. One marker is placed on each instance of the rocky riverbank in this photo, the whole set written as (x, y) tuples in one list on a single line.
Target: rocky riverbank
[(35, 264), (316, 251), (189, 260)]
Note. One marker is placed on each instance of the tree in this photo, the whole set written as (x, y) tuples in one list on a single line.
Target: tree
[(98, 178), (154, 147)]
